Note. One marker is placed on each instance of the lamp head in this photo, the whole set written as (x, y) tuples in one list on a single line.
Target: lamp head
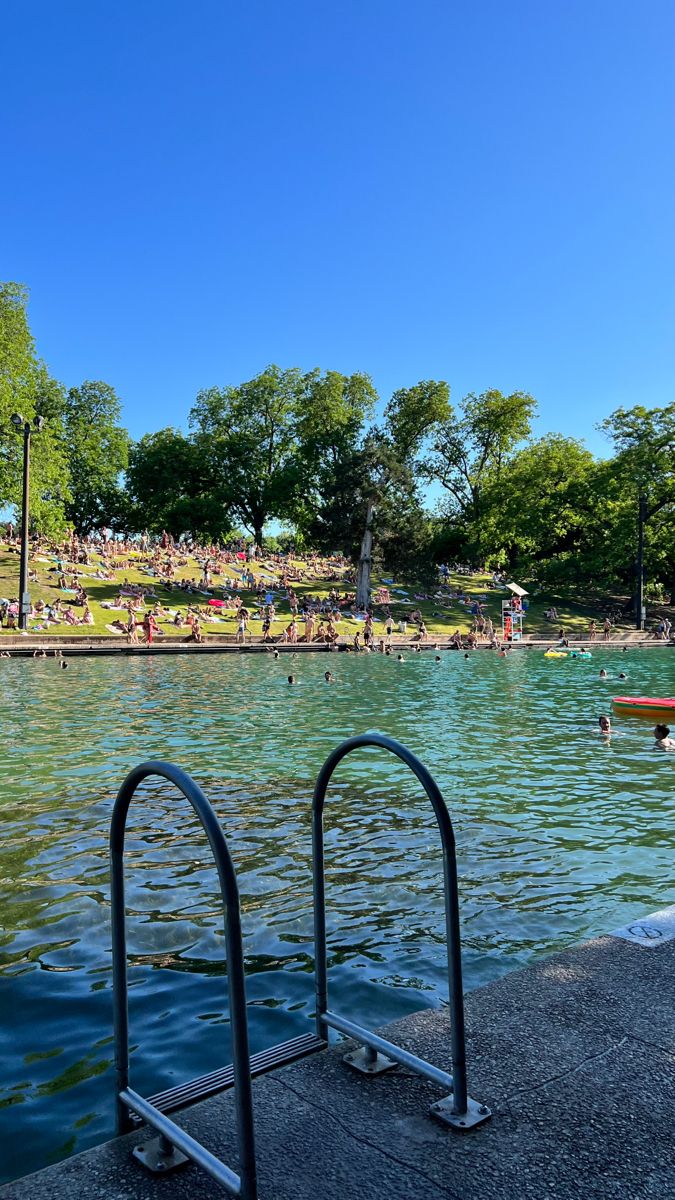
[(17, 420)]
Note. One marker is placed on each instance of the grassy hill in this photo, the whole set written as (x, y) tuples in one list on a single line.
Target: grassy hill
[(442, 617)]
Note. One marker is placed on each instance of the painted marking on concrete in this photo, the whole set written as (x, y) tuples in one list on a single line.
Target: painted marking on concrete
[(651, 931)]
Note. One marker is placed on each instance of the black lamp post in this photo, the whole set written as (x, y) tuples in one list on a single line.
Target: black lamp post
[(24, 599)]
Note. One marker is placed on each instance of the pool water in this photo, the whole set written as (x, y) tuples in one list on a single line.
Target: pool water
[(560, 836)]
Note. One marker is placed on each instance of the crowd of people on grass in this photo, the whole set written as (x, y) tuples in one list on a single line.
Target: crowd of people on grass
[(189, 585)]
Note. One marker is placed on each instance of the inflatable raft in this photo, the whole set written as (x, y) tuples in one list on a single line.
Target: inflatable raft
[(555, 654), (654, 707)]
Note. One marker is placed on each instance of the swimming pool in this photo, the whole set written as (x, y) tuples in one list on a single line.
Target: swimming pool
[(560, 836)]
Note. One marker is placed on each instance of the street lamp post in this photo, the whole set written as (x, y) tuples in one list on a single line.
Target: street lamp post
[(24, 598)]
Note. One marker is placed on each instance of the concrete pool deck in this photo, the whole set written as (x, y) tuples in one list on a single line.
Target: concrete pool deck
[(96, 646), (575, 1055)]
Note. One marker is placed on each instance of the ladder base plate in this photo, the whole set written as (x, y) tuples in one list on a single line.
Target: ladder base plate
[(475, 1114), (155, 1158), (362, 1060)]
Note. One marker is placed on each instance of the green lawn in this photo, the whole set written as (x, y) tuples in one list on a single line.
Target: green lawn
[(441, 617)]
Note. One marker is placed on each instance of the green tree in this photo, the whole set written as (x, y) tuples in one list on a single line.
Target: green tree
[(330, 428), (394, 524), (97, 449), (27, 387), (415, 413), (168, 488), (471, 446), (535, 511), (246, 437), (643, 465)]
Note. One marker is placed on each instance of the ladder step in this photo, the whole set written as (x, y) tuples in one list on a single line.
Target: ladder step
[(218, 1081)]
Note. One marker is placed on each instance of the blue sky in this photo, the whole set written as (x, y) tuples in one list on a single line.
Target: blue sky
[(482, 193)]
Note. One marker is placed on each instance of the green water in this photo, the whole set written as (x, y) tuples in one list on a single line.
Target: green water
[(560, 836)]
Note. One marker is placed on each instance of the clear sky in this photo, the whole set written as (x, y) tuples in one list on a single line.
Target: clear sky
[(482, 192)]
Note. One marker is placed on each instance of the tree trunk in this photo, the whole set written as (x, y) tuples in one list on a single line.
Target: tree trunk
[(257, 535), (365, 560)]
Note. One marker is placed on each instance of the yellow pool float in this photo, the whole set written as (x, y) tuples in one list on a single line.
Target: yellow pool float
[(555, 654)]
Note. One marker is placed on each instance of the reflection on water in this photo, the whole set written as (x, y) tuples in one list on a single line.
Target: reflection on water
[(559, 834)]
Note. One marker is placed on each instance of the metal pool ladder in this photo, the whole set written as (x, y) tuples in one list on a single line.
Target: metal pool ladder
[(174, 1147), (377, 1054)]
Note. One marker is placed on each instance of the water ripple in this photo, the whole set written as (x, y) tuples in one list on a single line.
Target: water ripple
[(559, 835)]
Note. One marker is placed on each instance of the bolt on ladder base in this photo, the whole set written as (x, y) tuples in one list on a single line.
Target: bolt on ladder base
[(159, 1156), (475, 1114), (368, 1061)]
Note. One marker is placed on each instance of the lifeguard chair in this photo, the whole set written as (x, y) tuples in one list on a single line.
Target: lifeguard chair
[(512, 614)]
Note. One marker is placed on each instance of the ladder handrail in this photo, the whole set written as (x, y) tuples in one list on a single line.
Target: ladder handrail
[(324, 1017), (245, 1185)]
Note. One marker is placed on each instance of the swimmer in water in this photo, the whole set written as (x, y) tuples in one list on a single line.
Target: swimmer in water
[(466, 656), (329, 677), (400, 658), (663, 738), (437, 658), (63, 665), (276, 653), (605, 726), (603, 674), (292, 679), (622, 675)]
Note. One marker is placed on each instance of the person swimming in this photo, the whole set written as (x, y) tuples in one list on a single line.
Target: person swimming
[(466, 655), (437, 658), (399, 658), (329, 677), (663, 738), (603, 674), (292, 679), (605, 725), (622, 675), (275, 653)]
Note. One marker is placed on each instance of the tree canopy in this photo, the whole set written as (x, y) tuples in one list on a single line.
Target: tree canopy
[(318, 451)]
